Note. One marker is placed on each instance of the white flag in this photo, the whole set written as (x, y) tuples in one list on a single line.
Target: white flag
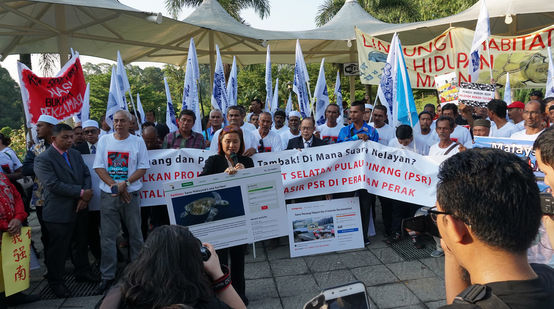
[(170, 119), (190, 89), (114, 99), (320, 95), (219, 93), (301, 79), (508, 90), (338, 92), (268, 82), (550, 77), (275, 98), (288, 108), (122, 75), (387, 85), (84, 115), (232, 87), (140, 110), (482, 33)]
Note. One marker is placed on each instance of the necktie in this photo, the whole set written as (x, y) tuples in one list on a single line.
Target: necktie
[(66, 158), (92, 149), (307, 144)]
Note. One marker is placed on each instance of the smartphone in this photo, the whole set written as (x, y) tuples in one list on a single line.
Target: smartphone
[(114, 189), (351, 295)]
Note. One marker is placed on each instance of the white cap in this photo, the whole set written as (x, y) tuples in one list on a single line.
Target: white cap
[(295, 114), (48, 119), (369, 106), (90, 123)]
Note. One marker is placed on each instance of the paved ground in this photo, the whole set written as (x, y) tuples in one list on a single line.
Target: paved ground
[(274, 280)]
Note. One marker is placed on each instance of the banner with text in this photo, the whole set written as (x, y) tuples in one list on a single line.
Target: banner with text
[(60, 96), (524, 56), (16, 253), (386, 171)]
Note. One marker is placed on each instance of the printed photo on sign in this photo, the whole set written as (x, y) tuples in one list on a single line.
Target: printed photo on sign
[(447, 87), (118, 165), (313, 229), (209, 206)]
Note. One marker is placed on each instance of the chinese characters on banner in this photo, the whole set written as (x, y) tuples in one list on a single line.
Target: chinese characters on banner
[(16, 253)]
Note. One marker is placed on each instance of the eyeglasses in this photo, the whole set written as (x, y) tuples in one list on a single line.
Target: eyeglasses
[(87, 132), (261, 148), (306, 128), (433, 212)]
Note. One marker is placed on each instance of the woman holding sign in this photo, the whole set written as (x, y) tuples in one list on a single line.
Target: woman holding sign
[(230, 159)]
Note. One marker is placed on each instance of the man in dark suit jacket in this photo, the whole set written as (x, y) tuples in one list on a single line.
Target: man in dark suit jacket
[(67, 191), (306, 138)]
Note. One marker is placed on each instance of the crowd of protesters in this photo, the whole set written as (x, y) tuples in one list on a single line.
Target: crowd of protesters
[(62, 190)]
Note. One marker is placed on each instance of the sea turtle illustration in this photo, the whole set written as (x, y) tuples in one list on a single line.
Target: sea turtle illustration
[(205, 205)]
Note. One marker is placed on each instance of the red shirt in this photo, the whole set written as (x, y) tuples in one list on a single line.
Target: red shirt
[(11, 204)]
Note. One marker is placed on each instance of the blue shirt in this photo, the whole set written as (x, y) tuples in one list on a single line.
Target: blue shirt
[(349, 133)]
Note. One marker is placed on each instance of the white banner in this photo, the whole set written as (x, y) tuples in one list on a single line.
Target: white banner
[(390, 172)]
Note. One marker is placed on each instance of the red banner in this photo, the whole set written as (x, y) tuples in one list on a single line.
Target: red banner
[(59, 97)]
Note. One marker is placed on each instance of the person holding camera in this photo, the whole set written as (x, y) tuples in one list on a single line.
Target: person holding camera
[(174, 268), (488, 214), (229, 159), (544, 152)]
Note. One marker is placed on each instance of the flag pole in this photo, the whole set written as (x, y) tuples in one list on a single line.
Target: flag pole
[(490, 59), (202, 104), (312, 107), (135, 110)]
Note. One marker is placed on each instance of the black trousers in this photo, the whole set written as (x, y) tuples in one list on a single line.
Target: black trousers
[(401, 210), (60, 237), (43, 232), (386, 213), (93, 234), (367, 206), (236, 256), (79, 243)]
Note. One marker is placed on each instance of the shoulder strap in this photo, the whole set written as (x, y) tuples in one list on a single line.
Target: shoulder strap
[(482, 296), (451, 148)]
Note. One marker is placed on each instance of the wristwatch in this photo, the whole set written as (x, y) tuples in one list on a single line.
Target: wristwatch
[(127, 183)]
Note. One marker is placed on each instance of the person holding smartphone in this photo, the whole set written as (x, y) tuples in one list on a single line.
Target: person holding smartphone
[(544, 152)]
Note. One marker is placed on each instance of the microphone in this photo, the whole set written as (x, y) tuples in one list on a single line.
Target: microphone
[(234, 158)]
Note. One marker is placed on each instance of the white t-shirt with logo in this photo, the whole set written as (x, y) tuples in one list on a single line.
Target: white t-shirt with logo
[(417, 145), (524, 136), (329, 134), (121, 158), (272, 142), (506, 131)]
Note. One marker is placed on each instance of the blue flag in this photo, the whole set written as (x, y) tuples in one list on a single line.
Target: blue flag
[(407, 112)]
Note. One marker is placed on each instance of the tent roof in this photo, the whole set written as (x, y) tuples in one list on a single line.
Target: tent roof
[(528, 16)]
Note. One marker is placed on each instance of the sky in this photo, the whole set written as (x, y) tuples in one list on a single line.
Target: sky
[(284, 15)]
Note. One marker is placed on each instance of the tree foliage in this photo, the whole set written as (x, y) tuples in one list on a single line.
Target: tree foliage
[(233, 7), (10, 100)]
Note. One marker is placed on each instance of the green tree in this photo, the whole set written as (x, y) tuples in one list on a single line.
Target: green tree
[(10, 100), (233, 7)]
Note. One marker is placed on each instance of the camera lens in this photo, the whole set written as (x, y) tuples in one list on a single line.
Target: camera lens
[(206, 254)]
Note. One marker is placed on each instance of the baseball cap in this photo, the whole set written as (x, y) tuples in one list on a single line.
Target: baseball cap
[(516, 104)]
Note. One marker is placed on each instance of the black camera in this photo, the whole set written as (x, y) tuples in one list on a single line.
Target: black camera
[(422, 224), (206, 254), (547, 203)]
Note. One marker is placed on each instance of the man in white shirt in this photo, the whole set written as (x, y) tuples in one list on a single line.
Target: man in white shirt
[(405, 139), (386, 131), (294, 128), (425, 133), (121, 160), (268, 141), (445, 146), (497, 113), (533, 115), (329, 131), (515, 113), (279, 122), (460, 133)]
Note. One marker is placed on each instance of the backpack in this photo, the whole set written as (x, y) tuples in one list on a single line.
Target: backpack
[(480, 295)]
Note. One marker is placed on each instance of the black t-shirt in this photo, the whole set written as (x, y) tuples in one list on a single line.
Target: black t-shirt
[(535, 294)]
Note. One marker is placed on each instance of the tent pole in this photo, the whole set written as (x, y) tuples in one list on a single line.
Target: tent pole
[(63, 45), (352, 82)]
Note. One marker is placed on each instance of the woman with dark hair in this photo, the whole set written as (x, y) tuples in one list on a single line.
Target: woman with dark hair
[(170, 271), (230, 159)]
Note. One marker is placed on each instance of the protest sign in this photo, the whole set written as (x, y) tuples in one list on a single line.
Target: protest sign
[(60, 96), (229, 210), (324, 226), (524, 56), (390, 172), (16, 252), (474, 94), (447, 87)]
